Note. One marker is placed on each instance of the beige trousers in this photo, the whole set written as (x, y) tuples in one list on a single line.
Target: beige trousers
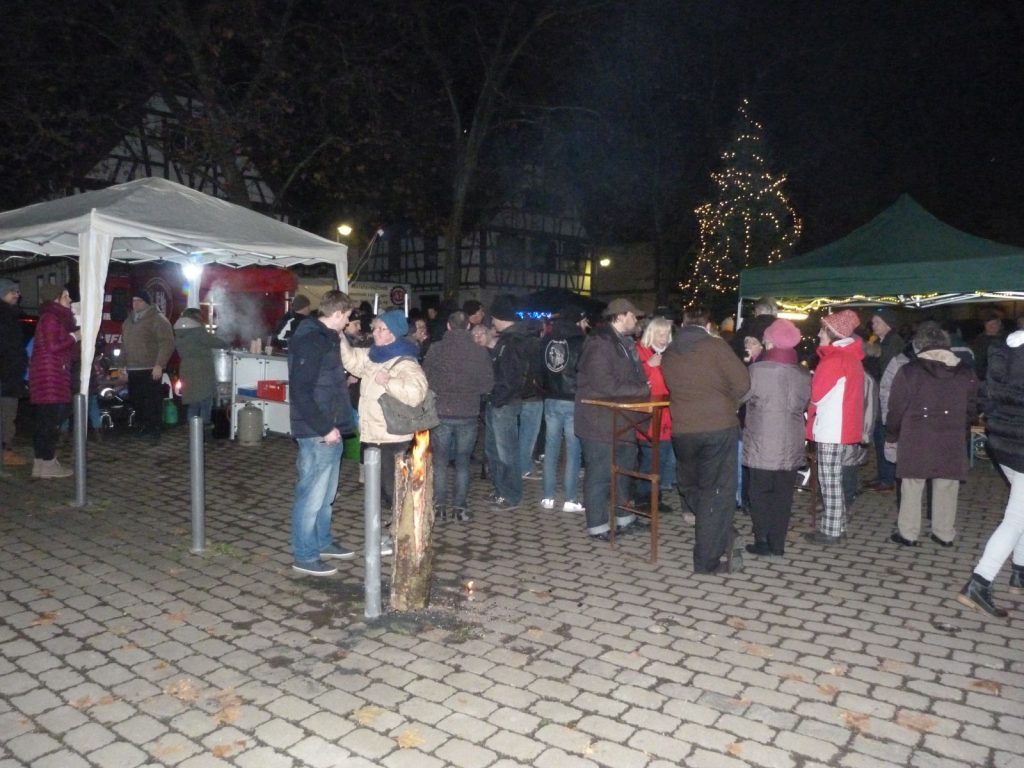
[(944, 496)]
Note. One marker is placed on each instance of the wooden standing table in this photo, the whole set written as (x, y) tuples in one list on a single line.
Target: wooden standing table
[(619, 409)]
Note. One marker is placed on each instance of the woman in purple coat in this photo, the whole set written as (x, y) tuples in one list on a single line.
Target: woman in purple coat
[(49, 377), (932, 403), (773, 435)]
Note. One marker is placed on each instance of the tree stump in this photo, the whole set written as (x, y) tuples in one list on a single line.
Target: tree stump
[(411, 527)]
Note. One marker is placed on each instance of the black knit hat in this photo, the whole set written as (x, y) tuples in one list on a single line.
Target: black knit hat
[(504, 308)]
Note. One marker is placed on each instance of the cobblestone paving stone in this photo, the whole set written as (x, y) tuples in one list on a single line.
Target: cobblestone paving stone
[(119, 648)]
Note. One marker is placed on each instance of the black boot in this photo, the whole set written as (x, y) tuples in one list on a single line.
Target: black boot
[(977, 594), (1017, 579), (759, 548)]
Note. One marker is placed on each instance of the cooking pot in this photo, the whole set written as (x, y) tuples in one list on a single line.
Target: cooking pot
[(222, 365)]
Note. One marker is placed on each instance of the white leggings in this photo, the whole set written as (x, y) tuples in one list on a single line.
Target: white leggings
[(1009, 536)]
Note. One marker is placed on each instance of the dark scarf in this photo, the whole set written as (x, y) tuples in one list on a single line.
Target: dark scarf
[(779, 355), (397, 348)]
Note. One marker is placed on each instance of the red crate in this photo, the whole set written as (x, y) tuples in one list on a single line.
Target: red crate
[(271, 389)]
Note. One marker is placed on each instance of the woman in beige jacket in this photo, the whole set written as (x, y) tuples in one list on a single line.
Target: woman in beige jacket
[(391, 366)]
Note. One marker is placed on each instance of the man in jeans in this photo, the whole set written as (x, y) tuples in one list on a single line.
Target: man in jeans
[(512, 365), (609, 369), (460, 373), (321, 415), (561, 349)]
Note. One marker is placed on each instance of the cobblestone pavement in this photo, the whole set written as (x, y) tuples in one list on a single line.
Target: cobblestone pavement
[(118, 648)]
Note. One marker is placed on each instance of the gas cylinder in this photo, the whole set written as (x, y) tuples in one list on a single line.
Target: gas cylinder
[(170, 412), (250, 425)]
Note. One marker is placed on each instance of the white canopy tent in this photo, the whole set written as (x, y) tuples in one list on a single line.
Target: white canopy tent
[(154, 220)]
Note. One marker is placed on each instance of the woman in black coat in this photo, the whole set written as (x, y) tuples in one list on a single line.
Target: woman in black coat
[(1004, 418)]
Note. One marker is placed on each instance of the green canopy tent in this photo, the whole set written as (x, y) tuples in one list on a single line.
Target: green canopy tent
[(902, 256)]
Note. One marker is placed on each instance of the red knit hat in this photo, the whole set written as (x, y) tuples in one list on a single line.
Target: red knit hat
[(782, 334), (843, 323)]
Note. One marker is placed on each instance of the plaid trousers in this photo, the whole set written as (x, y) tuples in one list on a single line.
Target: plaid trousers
[(831, 457)]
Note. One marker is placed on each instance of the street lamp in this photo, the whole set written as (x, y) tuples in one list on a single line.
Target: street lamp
[(193, 272), (344, 230)]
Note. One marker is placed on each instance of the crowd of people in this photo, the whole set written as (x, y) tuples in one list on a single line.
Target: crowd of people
[(747, 414), (747, 418)]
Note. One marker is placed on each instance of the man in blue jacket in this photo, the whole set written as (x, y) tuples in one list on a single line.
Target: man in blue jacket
[(321, 415)]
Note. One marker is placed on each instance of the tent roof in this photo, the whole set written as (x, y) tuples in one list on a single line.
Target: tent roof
[(154, 219), (904, 251)]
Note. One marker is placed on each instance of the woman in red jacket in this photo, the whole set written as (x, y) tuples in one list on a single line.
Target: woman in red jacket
[(835, 417), (49, 377), (655, 340)]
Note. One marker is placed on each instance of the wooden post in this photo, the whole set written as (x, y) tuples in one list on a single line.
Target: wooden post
[(411, 527)]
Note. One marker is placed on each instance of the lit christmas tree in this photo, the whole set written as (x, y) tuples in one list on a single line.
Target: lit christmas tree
[(750, 223)]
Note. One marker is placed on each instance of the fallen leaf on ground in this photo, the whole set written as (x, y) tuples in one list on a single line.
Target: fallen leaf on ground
[(223, 750), (410, 738), (760, 651), (367, 715), (183, 690), (166, 750), (858, 721), (229, 702), (736, 623), (177, 616), (735, 748), (838, 671), (44, 618), (795, 677), (916, 721), (988, 685), (828, 690)]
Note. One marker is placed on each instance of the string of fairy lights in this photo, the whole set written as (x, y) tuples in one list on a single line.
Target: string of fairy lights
[(749, 223)]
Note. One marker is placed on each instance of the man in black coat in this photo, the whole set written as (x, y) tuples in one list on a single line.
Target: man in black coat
[(13, 364)]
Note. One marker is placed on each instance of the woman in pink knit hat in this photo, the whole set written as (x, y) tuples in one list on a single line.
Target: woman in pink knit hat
[(773, 435), (835, 417)]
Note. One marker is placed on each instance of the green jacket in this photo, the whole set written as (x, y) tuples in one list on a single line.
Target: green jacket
[(195, 348)]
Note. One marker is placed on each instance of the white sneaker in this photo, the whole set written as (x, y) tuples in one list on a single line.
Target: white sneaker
[(572, 506), (547, 503)]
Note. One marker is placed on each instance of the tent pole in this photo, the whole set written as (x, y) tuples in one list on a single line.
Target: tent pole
[(739, 312), (81, 411)]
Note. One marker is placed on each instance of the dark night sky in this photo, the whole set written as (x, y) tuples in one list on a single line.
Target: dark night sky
[(861, 101)]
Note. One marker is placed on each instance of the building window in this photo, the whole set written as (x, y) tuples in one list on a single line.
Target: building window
[(394, 254), (510, 252), (430, 252)]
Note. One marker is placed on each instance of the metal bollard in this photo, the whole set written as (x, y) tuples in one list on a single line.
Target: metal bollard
[(371, 524), (81, 413), (4, 437), (198, 478)]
